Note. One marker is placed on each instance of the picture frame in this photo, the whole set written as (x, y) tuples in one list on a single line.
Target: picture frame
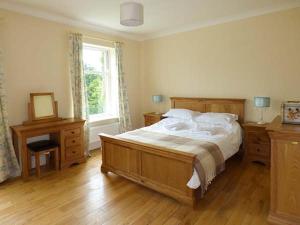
[(291, 112)]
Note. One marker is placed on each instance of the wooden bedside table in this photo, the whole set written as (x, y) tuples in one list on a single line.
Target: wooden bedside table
[(151, 118), (257, 143)]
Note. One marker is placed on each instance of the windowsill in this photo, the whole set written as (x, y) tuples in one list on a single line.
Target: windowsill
[(102, 120)]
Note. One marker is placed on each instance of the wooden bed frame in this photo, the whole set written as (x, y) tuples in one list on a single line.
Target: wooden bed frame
[(163, 170)]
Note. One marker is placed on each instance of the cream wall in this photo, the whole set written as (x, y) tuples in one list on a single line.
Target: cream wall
[(241, 59), (36, 60)]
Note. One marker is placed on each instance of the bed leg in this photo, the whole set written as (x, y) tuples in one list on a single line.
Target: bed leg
[(197, 193), (104, 170), (194, 204)]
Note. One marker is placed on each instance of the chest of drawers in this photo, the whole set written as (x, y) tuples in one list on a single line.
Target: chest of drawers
[(151, 118), (257, 143), (285, 173)]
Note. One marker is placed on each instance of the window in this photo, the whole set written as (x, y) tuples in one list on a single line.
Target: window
[(101, 81)]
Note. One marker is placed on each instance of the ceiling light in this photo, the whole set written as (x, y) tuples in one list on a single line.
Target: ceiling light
[(131, 14)]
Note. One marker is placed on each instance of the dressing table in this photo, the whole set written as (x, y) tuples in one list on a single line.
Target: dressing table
[(42, 120)]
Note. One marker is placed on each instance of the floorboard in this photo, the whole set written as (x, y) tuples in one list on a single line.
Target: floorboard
[(82, 195)]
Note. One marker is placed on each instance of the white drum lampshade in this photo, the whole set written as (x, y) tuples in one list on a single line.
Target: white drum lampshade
[(131, 14)]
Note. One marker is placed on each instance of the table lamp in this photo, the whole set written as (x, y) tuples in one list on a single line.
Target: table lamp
[(262, 103), (157, 99)]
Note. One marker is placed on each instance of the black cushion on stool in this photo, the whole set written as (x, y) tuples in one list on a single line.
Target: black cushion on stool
[(39, 146)]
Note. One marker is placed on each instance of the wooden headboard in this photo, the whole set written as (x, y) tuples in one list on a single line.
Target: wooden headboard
[(220, 105)]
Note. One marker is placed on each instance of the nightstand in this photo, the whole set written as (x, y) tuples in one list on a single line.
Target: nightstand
[(151, 118), (257, 143)]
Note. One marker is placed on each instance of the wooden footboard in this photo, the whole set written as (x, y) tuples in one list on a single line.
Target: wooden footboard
[(163, 170)]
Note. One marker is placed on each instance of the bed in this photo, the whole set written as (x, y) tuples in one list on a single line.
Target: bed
[(174, 170)]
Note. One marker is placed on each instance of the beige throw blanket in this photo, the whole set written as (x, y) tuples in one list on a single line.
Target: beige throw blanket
[(209, 160)]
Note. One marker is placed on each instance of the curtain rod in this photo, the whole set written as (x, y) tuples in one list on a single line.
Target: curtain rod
[(102, 39)]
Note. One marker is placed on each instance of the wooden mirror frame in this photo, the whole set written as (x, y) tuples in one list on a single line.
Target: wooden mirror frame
[(31, 110)]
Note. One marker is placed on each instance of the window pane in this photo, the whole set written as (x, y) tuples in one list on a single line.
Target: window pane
[(93, 59), (95, 90), (101, 81)]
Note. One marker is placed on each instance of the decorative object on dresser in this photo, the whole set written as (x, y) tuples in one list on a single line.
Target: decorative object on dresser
[(262, 103), (257, 143), (67, 133), (291, 112), (151, 118), (285, 173)]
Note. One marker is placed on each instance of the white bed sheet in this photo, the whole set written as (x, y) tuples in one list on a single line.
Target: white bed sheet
[(227, 136)]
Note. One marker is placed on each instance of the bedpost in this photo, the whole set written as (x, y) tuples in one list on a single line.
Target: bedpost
[(102, 147), (103, 169)]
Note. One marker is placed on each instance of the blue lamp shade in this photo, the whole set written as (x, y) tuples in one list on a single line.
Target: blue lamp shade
[(157, 98), (262, 102)]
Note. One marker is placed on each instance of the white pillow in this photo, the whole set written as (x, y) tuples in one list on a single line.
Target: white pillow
[(185, 114), (216, 118)]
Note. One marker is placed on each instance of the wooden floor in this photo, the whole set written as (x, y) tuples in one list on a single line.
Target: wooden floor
[(82, 195)]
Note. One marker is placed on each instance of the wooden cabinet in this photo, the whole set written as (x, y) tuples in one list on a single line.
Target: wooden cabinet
[(73, 147), (151, 118), (257, 143), (285, 173)]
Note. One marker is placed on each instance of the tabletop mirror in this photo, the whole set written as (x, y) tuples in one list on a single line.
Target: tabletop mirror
[(42, 108)]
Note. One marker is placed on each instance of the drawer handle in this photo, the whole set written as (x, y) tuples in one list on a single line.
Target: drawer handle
[(73, 141), (258, 150), (73, 132), (73, 152), (294, 142)]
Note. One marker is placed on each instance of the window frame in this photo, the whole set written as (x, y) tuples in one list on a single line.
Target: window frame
[(110, 113)]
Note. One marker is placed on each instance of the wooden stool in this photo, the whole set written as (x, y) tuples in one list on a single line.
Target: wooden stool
[(45, 147)]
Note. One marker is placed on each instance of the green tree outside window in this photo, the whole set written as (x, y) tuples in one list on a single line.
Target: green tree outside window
[(95, 89)]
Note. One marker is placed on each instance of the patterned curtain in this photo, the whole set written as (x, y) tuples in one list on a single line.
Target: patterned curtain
[(78, 84), (124, 115), (9, 166)]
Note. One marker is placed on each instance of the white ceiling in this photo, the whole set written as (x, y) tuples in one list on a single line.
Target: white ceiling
[(161, 16)]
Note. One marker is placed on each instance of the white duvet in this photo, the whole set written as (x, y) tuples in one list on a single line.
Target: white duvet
[(227, 136)]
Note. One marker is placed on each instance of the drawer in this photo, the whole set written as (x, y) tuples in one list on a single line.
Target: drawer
[(261, 149), (147, 123), (151, 120), (72, 132), (258, 138), (258, 158), (73, 153), (73, 141), (256, 129)]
